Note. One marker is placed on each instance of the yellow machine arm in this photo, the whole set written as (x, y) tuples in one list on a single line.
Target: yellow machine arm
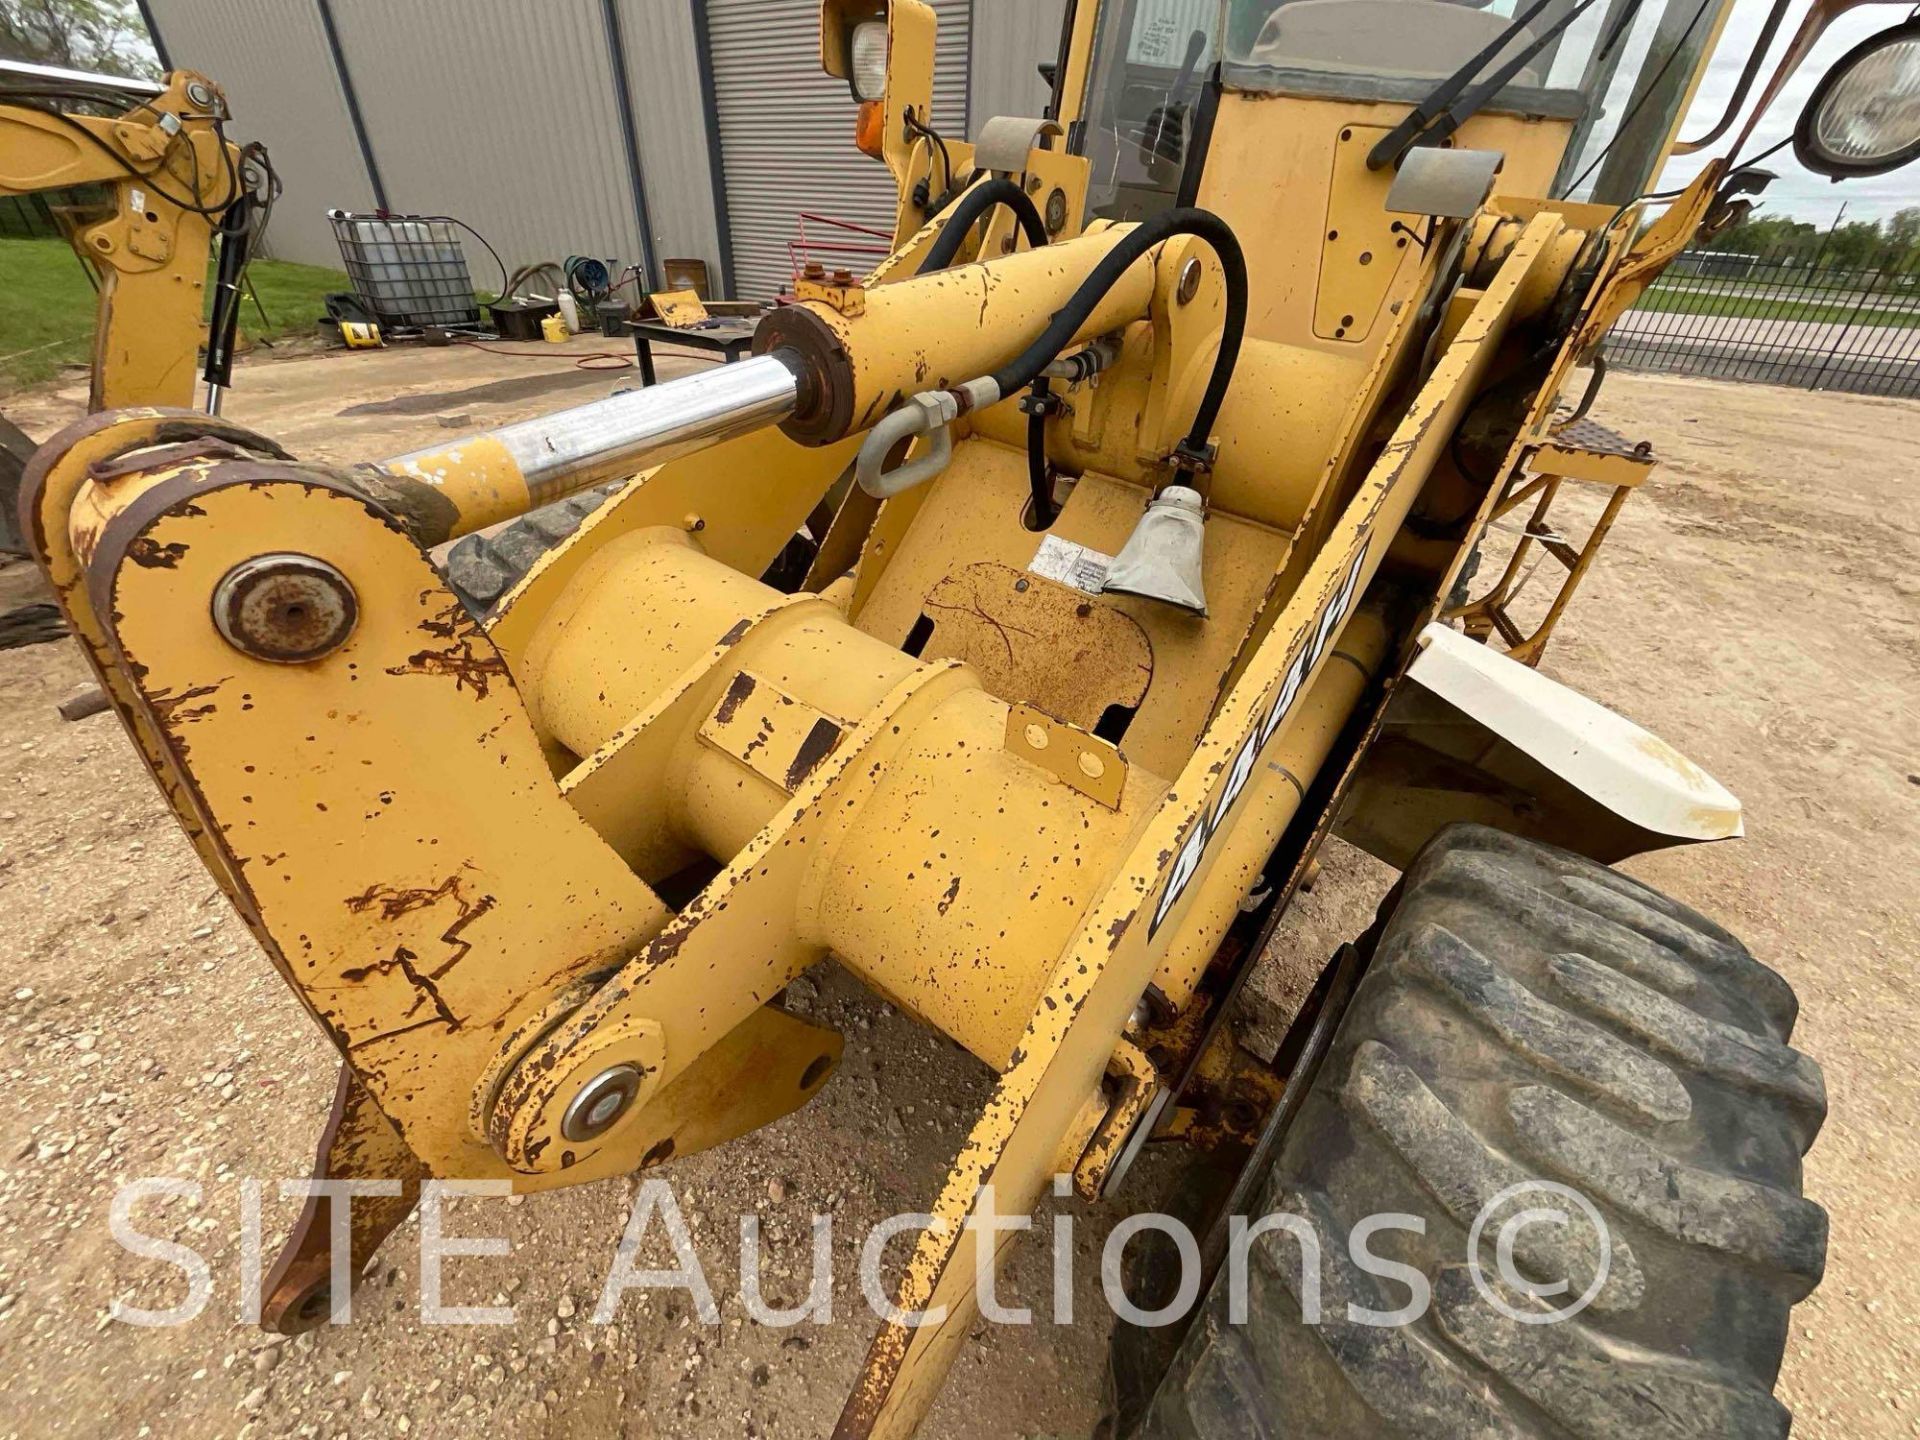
[(172, 176)]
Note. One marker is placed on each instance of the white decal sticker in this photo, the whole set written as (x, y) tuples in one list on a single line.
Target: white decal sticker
[(1256, 740), (1070, 564)]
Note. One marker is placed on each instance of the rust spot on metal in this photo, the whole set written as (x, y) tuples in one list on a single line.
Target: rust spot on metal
[(469, 658), (819, 744), (738, 690), (394, 903), (163, 457), (359, 1142), (884, 1360), (424, 986), (171, 709), (150, 554)]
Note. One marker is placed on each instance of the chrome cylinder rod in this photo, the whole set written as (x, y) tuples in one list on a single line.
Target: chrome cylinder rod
[(611, 438), (500, 473)]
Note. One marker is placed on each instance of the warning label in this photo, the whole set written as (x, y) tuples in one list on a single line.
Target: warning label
[(1071, 564)]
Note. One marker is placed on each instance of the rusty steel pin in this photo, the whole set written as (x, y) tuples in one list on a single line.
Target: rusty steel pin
[(285, 608)]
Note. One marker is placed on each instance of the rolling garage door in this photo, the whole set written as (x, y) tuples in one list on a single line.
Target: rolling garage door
[(786, 132)]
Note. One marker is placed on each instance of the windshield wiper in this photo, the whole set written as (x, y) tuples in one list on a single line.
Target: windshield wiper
[(1453, 103)]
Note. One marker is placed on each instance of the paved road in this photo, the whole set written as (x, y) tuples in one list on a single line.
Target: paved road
[(1740, 290)]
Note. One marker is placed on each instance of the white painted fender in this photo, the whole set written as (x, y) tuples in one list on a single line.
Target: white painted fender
[(1473, 735), (1633, 772)]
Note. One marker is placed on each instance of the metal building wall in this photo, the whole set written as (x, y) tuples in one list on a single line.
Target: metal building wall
[(1011, 38), (270, 56), (663, 75), (501, 113), (786, 134)]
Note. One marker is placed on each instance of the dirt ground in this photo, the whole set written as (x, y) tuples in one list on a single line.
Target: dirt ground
[(1759, 604)]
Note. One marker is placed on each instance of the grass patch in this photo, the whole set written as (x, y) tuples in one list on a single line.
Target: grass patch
[(47, 306), (1768, 307)]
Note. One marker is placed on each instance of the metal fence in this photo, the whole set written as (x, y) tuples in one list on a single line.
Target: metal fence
[(1781, 322)]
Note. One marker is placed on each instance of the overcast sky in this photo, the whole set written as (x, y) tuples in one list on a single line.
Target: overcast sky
[(1797, 192)]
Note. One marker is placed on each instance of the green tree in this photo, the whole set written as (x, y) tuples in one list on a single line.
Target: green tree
[(1772, 237), (104, 36)]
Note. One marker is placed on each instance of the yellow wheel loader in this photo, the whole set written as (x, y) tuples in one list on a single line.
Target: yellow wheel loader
[(1157, 450)]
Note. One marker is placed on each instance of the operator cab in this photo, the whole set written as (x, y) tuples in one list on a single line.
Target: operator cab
[(1160, 65)]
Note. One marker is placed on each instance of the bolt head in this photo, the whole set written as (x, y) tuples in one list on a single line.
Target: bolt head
[(289, 609), (1189, 282), (601, 1102), (1056, 216)]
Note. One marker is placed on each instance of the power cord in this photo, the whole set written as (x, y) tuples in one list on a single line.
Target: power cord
[(920, 127), (1647, 94)]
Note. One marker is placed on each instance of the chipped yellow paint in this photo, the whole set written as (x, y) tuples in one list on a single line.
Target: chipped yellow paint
[(478, 476), (752, 493), (416, 926), (779, 738), (678, 308)]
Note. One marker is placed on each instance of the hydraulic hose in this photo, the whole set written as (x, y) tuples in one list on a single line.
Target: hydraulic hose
[(1038, 407), (1024, 368), (967, 211)]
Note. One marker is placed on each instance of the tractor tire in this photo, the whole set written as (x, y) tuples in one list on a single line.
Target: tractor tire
[(481, 568), (1529, 1015)]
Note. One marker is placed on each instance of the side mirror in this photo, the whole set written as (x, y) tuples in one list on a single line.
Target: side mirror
[(1863, 118)]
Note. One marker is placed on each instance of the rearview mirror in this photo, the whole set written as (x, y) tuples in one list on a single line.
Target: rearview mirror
[(1863, 118)]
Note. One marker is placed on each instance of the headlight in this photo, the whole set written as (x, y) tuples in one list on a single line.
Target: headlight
[(1864, 116), (869, 60)]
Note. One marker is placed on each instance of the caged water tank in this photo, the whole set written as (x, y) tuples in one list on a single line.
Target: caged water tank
[(408, 270)]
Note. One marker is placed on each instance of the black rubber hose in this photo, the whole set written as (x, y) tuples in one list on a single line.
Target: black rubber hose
[(967, 211), (1038, 477), (1024, 368)]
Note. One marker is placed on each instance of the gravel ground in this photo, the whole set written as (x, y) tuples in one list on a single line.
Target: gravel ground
[(1758, 605)]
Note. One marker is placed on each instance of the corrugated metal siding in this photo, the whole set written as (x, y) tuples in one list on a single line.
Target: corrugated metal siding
[(270, 56), (500, 113), (1011, 39), (663, 72), (786, 131)]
